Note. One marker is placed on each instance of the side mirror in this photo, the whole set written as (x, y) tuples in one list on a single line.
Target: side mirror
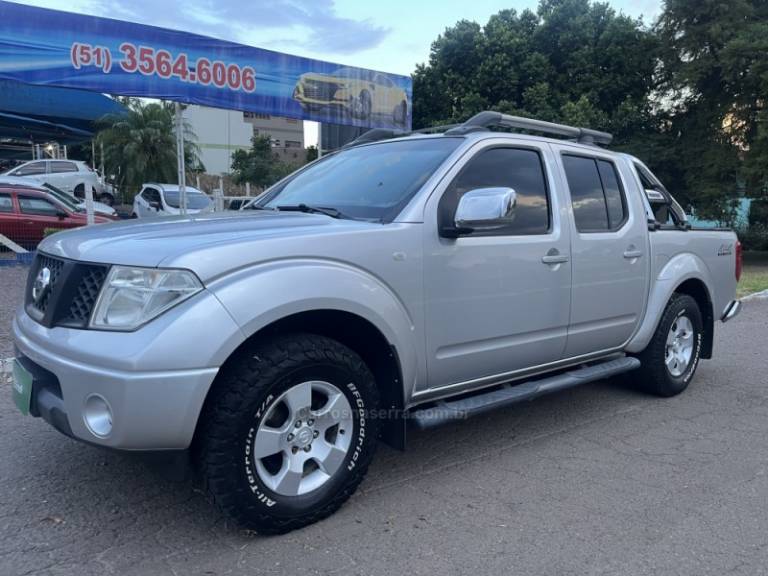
[(61, 214), (483, 209)]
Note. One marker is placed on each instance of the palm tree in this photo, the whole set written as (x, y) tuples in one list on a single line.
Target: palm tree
[(140, 144)]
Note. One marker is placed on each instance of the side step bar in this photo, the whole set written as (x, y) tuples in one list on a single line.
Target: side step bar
[(449, 410)]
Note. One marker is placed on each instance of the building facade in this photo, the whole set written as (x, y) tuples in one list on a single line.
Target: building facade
[(222, 132)]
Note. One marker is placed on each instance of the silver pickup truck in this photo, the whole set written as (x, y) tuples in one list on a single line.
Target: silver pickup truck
[(415, 280)]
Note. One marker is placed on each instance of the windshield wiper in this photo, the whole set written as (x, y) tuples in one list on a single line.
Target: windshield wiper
[(332, 212)]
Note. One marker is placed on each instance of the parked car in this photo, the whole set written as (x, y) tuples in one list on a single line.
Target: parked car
[(72, 176), (417, 280), (71, 201), (358, 93), (26, 212), (165, 200)]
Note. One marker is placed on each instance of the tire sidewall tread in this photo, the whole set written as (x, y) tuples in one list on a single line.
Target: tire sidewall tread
[(653, 375), (243, 390)]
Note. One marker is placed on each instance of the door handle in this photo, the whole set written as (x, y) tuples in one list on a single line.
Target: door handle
[(554, 257), (630, 254)]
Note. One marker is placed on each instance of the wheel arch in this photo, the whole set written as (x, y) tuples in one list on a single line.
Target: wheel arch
[(696, 289), (684, 274), (360, 335)]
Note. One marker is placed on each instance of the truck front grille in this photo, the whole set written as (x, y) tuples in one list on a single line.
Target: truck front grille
[(54, 266), (320, 90), (71, 294)]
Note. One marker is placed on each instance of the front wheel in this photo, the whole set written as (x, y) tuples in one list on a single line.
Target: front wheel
[(669, 361), (286, 433)]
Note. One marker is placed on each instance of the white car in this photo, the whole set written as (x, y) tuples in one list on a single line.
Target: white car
[(165, 200), (72, 176), (76, 204)]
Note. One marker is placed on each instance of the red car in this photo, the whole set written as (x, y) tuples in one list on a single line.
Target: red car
[(26, 212)]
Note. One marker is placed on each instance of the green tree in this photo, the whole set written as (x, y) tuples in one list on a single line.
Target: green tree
[(140, 145), (715, 69), (572, 60), (259, 165)]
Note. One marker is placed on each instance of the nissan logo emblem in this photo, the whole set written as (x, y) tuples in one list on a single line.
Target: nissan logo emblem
[(41, 284)]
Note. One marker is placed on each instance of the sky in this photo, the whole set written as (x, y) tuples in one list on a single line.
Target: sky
[(391, 36)]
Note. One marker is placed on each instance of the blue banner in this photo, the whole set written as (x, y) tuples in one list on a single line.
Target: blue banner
[(53, 48)]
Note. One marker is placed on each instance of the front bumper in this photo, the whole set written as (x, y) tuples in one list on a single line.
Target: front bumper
[(152, 408)]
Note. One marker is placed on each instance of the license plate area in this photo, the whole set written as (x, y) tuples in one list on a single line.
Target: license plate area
[(22, 387)]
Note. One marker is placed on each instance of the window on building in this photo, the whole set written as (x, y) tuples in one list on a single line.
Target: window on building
[(292, 144)]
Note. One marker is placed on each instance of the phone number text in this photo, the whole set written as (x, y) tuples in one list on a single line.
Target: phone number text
[(161, 63)]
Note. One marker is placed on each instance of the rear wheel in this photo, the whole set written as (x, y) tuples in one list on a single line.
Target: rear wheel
[(80, 191), (106, 199), (670, 360), (286, 436)]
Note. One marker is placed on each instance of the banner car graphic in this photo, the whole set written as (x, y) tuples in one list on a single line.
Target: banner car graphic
[(49, 47)]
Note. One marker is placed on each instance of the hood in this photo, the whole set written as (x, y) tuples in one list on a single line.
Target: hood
[(153, 241), (101, 208)]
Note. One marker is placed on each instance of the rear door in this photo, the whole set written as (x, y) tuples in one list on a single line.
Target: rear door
[(609, 248)]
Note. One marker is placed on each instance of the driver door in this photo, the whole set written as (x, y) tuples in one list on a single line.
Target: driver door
[(497, 302)]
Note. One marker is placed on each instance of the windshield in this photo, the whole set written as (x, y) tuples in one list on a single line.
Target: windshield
[(63, 197), (372, 182), (195, 200)]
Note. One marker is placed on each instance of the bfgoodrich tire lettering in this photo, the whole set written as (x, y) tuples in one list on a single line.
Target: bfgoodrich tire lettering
[(671, 358), (248, 391)]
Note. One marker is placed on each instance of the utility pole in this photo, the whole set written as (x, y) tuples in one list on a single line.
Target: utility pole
[(180, 158)]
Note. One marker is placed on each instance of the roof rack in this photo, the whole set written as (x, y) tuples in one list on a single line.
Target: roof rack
[(488, 119), (376, 134)]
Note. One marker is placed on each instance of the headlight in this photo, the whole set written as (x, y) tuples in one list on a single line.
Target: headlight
[(131, 297)]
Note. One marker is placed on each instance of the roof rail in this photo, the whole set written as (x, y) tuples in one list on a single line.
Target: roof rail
[(488, 119), (374, 135)]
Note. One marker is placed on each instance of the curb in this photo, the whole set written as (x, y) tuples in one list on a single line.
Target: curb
[(763, 294)]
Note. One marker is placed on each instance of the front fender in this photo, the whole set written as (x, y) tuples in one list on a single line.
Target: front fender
[(682, 267), (258, 296)]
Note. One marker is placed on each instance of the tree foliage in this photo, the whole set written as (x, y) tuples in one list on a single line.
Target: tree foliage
[(572, 61), (687, 94), (259, 165), (140, 145)]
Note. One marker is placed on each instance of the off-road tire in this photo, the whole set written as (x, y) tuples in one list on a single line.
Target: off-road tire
[(242, 395), (654, 376)]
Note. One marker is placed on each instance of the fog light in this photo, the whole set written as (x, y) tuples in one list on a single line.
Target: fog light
[(98, 415)]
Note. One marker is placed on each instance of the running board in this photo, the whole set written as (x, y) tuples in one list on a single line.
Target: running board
[(449, 410)]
